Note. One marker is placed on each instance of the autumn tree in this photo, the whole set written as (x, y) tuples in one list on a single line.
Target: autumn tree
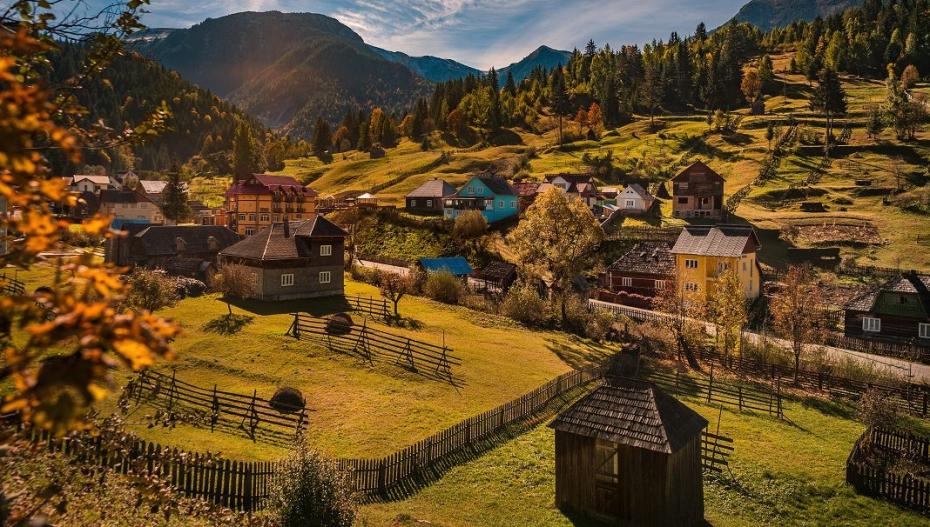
[(905, 114), (595, 117), (751, 87), (468, 232), (686, 314), (394, 286), (234, 281), (829, 98), (558, 239), (797, 310), (729, 310)]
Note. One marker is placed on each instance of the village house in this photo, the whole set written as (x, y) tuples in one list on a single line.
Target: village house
[(185, 250), (704, 253), (428, 197), (579, 186), (526, 193), (899, 310), (697, 192), (634, 199), (630, 454), (639, 275), (91, 183), (262, 199), (129, 206), (292, 259), (491, 195)]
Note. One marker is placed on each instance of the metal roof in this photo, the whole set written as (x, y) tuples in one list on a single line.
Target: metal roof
[(723, 240), (456, 265)]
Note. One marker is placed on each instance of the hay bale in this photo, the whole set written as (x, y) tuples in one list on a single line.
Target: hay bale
[(339, 324), (287, 400)]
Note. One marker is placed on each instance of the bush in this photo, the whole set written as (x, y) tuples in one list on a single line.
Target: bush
[(444, 287), (151, 290), (310, 491), (876, 410), (524, 304)]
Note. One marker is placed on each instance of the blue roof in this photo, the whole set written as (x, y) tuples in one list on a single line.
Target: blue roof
[(454, 264), (118, 223)]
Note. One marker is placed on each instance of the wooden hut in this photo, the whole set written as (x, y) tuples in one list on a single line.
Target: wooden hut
[(629, 454)]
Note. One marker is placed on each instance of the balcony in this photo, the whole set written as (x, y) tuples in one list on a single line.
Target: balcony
[(468, 203)]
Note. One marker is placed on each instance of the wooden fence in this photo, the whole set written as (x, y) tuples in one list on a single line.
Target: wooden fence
[(238, 485), (427, 359), (873, 479), (913, 351), (245, 412), (11, 286), (376, 307), (715, 451), (713, 391)]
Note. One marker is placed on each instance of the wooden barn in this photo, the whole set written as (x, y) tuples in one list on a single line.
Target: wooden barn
[(629, 454)]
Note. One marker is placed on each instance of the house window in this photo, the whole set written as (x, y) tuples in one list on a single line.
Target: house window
[(630, 204), (660, 284), (626, 281), (683, 185), (325, 277), (500, 204), (923, 331), (413, 203), (242, 217), (448, 203), (326, 250), (251, 217), (287, 280), (513, 204), (722, 267), (265, 217), (429, 203), (872, 325), (691, 287), (249, 231), (691, 264)]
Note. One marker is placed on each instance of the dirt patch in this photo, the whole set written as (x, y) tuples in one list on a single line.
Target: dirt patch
[(834, 232)]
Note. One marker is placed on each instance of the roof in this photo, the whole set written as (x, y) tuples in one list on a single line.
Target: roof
[(526, 189), (699, 171), (96, 180), (639, 190), (368, 195), (723, 240), (160, 240), (454, 264), (497, 185), (121, 196), (632, 413), (434, 188), (912, 283), (268, 184), (153, 186), (577, 183), (496, 271), (648, 257), (271, 244)]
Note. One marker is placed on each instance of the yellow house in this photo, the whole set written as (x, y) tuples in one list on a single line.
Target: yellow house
[(263, 199), (704, 253)]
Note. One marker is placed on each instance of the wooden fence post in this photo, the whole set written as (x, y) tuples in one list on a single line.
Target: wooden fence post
[(382, 487), (247, 504), (710, 384)]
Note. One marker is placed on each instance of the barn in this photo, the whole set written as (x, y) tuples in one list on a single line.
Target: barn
[(630, 454)]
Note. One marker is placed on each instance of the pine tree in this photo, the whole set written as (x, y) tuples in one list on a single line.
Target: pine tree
[(245, 152), (174, 205), (510, 86), (322, 139), (766, 74), (829, 98)]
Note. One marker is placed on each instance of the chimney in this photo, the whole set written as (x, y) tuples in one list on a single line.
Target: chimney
[(287, 227)]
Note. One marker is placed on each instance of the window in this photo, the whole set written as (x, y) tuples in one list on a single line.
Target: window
[(249, 231), (325, 277), (500, 204), (683, 185), (722, 267), (251, 217), (872, 325), (691, 264), (287, 280), (660, 284), (626, 281), (513, 204), (265, 217), (326, 250), (691, 287), (413, 203), (429, 203), (923, 331), (242, 217), (630, 204)]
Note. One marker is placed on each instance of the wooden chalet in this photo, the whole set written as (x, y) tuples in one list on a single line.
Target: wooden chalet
[(697, 192), (637, 277), (899, 310), (495, 277), (630, 454)]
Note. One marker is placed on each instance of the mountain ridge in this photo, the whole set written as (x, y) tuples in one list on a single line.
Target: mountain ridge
[(769, 14)]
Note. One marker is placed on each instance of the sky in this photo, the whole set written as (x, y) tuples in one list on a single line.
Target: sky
[(478, 33)]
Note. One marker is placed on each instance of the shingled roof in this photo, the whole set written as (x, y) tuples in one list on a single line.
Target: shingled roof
[(268, 184), (649, 257), (912, 282), (122, 196), (723, 240), (434, 188), (632, 413), (699, 171), (271, 243), (161, 240)]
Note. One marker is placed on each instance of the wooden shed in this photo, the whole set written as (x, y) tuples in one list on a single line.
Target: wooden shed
[(629, 454)]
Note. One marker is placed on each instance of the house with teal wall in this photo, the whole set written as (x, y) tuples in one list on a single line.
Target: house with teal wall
[(491, 195)]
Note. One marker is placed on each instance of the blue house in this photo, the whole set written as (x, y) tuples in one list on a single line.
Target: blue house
[(491, 195)]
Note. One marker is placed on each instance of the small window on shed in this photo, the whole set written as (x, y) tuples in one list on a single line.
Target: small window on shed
[(287, 280), (326, 250)]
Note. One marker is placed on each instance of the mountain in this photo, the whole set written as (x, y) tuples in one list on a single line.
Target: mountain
[(542, 56), (286, 69), (434, 69), (769, 14)]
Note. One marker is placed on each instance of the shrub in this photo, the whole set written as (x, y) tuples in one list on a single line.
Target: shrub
[(310, 491), (151, 290), (875, 409), (524, 304), (444, 287)]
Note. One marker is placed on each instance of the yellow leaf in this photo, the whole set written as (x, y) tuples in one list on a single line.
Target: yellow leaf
[(138, 354)]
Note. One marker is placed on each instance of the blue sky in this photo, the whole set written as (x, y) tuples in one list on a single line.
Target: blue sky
[(476, 32)]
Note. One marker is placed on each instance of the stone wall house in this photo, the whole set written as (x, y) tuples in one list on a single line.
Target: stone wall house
[(292, 259)]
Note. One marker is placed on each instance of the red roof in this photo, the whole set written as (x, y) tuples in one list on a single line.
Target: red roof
[(267, 184)]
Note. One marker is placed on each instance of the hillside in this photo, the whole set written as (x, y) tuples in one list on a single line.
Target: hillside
[(769, 14), (286, 69), (543, 56)]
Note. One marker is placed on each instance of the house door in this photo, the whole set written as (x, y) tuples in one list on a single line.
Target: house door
[(607, 479)]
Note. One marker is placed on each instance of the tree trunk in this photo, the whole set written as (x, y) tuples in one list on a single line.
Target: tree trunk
[(229, 308)]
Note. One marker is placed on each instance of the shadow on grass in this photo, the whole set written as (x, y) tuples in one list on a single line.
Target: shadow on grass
[(582, 353), (228, 324), (317, 307), (839, 409)]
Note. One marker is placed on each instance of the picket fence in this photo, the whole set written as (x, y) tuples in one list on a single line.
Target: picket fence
[(872, 479)]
